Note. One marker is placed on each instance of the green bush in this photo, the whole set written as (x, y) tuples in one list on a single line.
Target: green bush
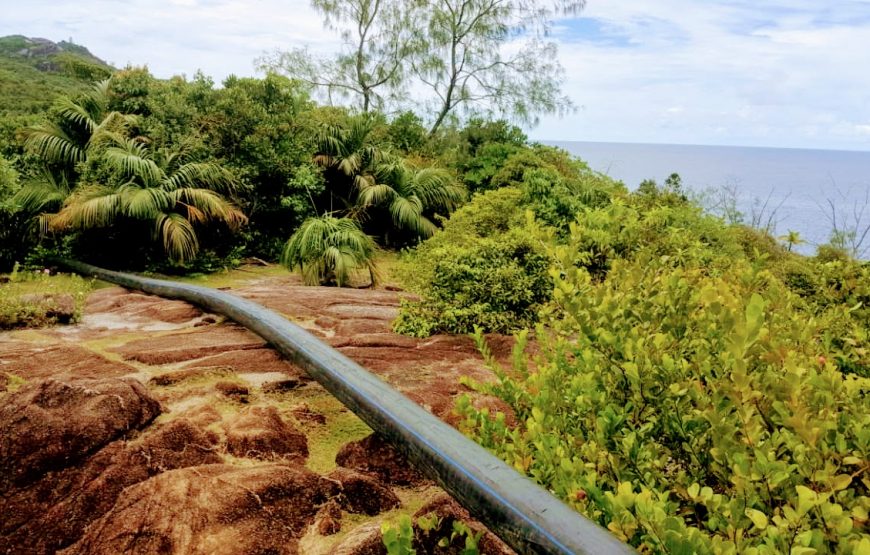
[(36, 299), (497, 283), (689, 411)]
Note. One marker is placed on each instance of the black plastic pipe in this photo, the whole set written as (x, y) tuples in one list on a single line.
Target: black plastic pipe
[(520, 512)]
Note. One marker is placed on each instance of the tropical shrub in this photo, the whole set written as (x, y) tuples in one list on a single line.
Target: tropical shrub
[(159, 188), (688, 410), (329, 250), (497, 283), (36, 299)]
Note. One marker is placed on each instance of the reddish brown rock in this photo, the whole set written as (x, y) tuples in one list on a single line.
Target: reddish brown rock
[(202, 415), (328, 519), (236, 392), (281, 386), (362, 540), (52, 512), (372, 455), (211, 509), (188, 345), (133, 305), (253, 361), (177, 376), (303, 413), (361, 493), (261, 433), (52, 424), (62, 361)]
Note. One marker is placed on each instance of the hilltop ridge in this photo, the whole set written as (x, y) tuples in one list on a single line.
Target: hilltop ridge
[(36, 71)]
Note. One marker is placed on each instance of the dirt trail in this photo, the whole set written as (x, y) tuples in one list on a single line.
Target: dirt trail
[(151, 427)]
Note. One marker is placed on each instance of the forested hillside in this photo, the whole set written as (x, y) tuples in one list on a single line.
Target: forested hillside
[(35, 72)]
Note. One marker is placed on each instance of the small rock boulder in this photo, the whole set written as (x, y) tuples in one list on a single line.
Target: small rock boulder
[(362, 540), (211, 509), (303, 413), (328, 519), (281, 386), (363, 494), (234, 391), (448, 511), (373, 455), (261, 433), (54, 511)]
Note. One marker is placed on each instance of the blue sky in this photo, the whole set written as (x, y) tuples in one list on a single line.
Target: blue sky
[(782, 73)]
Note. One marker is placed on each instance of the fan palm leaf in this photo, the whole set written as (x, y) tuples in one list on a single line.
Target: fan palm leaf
[(329, 249)]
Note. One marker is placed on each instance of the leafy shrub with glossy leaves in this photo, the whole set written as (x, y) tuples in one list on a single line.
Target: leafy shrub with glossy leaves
[(689, 409), (497, 283)]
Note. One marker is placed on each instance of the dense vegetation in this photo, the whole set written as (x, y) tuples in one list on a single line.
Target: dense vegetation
[(35, 299), (697, 388)]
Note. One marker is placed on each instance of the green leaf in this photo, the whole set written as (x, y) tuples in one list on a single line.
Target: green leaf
[(758, 518), (841, 481)]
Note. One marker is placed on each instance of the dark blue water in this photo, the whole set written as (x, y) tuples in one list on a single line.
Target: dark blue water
[(798, 186)]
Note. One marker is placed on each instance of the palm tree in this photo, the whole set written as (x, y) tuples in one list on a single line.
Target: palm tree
[(792, 238), (328, 250), (351, 155), (81, 129), (408, 192), (159, 187)]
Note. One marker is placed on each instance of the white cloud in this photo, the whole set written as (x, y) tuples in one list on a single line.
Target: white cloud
[(774, 73)]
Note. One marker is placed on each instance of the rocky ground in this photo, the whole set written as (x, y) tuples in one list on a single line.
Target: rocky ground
[(151, 427)]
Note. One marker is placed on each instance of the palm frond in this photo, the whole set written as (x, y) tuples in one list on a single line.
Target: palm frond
[(110, 130), (205, 204), (100, 89), (45, 192), (52, 143), (131, 158), (436, 188), (202, 174), (374, 195), (75, 112), (88, 208), (407, 213), (178, 235), (145, 203)]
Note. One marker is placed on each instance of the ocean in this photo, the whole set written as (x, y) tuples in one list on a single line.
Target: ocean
[(793, 189)]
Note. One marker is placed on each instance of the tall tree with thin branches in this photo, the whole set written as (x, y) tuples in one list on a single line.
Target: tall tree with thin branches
[(492, 57), (369, 70)]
